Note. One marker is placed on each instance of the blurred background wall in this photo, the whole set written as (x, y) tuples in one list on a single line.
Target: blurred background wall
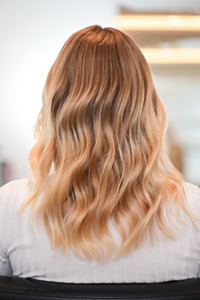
[(31, 35)]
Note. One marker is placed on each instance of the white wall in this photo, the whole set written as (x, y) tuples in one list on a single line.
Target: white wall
[(31, 34)]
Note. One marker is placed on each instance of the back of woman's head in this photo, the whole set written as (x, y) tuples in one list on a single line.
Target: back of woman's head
[(101, 130)]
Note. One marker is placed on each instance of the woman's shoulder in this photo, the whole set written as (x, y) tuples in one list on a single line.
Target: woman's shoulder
[(191, 190), (192, 193), (14, 192)]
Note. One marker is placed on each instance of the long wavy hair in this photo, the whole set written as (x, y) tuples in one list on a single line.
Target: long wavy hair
[(99, 155)]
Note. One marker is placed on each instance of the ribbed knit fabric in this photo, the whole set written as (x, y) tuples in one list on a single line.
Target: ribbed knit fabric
[(27, 253)]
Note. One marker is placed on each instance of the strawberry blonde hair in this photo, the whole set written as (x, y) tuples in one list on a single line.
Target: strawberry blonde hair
[(101, 130)]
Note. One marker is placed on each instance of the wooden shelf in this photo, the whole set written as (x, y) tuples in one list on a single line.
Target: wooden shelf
[(151, 29)]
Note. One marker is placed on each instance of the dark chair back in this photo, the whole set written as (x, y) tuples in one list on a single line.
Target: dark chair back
[(12, 288)]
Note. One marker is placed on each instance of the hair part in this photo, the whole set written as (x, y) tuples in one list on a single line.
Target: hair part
[(101, 128)]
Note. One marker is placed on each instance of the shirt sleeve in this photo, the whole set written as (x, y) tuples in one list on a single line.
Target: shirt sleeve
[(196, 211), (5, 268)]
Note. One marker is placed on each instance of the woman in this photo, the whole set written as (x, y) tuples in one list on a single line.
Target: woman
[(104, 203)]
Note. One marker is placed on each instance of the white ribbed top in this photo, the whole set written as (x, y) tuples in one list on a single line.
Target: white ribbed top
[(25, 253)]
